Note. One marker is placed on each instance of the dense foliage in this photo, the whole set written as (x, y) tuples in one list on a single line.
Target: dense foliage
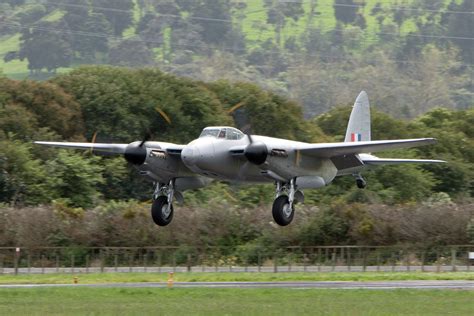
[(100, 196)]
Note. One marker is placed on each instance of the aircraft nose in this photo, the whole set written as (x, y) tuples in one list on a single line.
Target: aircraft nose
[(189, 155)]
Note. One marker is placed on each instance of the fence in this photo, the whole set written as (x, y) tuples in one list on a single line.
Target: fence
[(240, 259)]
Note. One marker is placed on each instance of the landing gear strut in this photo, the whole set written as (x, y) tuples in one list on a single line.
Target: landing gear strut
[(287, 196), (162, 207), (361, 183)]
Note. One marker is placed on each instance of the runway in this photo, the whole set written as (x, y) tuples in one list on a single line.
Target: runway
[(374, 285)]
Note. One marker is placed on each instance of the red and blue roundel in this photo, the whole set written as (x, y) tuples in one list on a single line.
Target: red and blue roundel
[(356, 137)]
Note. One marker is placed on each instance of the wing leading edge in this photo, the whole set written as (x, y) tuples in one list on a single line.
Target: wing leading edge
[(98, 147), (329, 150)]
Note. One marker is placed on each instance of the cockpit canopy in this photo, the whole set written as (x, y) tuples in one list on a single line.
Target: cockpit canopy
[(222, 132)]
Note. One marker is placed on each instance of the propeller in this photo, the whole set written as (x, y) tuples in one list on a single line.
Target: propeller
[(256, 152), (136, 152)]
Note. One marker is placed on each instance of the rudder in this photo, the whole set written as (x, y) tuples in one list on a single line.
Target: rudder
[(358, 128)]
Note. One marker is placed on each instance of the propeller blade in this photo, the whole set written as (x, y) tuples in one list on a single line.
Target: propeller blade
[(93, 141), (243, 170), (163, 115), (145, 138)]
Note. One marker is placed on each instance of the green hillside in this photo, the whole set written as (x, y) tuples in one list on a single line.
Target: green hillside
[(335, 47)]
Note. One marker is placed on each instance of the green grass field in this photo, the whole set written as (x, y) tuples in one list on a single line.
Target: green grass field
[(222, 277), (202, 301)]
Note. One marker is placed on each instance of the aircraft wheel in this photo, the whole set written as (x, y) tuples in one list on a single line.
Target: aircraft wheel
[(160, 212), (282, 212), (361, 184)]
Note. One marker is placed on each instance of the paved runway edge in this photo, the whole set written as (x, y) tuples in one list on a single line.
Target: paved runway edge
[(431, 284)]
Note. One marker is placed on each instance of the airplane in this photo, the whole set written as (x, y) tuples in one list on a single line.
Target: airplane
[(225, 153)]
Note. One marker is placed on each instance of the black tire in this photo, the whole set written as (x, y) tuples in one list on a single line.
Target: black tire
[(280, 214), (158, 211), (361, 184)]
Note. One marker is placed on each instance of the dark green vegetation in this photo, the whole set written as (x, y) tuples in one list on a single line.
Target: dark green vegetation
[(93, 278), (66, 198), (233, 301), (411, 56)]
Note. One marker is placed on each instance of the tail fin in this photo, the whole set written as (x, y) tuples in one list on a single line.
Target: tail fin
[(358, 128)]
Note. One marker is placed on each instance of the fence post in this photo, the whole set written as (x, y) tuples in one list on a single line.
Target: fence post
[(453, 259), (145, 261), (87, 263), (468, 262), (174, 261), (333, 259), (275, 265), (57, 263), (130, 262), (289, 261), (349, 263), (364, 260), (393, 261), (102, 263), (159, 261), (305, 262), (319, 259), (378, 260), (42, 264), (72, 263), (438, 264), (115, 262), (407, 260), (15, 261), (423, 261), (188, 263), (259, 262)]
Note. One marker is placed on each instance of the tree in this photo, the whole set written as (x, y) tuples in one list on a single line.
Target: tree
[(345, 11), (131, 53), (74, 179), (82, 25), (45, 48), (30, 108), (460, 27), (22, 177), (279, 11), (118, 13), (218, 27)]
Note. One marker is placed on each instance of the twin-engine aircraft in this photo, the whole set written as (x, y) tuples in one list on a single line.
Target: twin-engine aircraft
[(226, 154)]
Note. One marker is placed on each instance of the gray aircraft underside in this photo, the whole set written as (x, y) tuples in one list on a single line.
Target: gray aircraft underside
[(226, 154)]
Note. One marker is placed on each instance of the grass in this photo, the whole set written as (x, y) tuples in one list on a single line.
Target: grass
[(202, 301), (216, 277)]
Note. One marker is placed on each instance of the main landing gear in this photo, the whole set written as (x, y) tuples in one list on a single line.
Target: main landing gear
[(162, 207), (361, 183), (287, 196)]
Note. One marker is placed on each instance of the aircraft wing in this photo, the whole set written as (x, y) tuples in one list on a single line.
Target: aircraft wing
[(329, 150), (97, 147)]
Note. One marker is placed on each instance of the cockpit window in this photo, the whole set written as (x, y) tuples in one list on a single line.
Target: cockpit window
[(209, 132), (227, 133), (234, 134)]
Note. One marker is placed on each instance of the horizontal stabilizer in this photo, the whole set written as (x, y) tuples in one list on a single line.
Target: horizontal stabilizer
[(329, 150), (390, 161), (97, 147)]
